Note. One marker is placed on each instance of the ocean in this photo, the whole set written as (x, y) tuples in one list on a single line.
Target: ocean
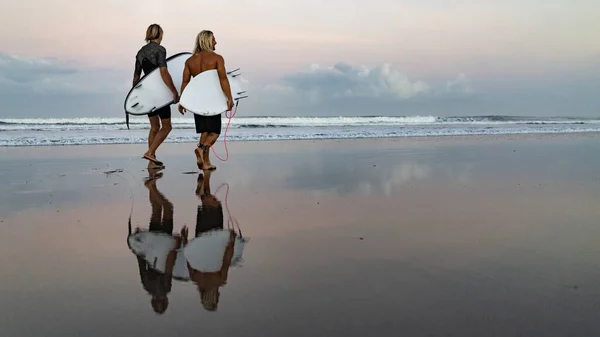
[(86, 131)]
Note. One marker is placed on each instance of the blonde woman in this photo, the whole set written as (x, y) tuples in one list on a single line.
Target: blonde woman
[(209, 127), (149, 57)]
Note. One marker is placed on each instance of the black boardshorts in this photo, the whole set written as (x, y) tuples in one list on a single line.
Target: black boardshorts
[(163, 113), (210, 124)]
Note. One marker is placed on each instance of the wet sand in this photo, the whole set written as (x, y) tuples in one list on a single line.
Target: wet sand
[(452, 236)]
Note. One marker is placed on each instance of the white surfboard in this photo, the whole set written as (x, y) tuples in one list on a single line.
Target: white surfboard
[(180, 269), (204, 96), (150, 92), (154, 248), (205, 253), (238, 251)]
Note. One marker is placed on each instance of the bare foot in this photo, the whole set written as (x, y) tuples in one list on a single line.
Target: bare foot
[(152, 158), (209, 167), (199, 185), (151, 179), (152, 166)]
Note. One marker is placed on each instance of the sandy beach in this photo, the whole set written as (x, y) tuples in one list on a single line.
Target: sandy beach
[(437, 236)]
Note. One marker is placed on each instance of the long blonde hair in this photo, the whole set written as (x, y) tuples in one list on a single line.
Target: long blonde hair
[(154, 32), (204, 41)]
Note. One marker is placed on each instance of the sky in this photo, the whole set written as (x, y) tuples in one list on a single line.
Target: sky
[(66, 58)]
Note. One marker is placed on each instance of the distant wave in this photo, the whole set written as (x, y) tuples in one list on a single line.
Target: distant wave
[(141, 139), (85, 131), (21, 124)]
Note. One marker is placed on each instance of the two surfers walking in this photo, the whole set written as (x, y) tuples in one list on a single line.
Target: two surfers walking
[(153, 55)]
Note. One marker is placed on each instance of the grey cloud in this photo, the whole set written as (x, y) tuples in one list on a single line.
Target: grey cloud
[(343, 89), (23, 69), (48, 87), (459, 85), (42, 87), (342, 80), (50, 76)]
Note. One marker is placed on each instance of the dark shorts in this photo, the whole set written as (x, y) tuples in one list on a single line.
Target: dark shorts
[(210, 124), (165, 227), (209, 219), (163, 113)]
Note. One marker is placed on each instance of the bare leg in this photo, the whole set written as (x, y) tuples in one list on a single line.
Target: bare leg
[(167, 211), (208, 142), (160, 137), (203, 184), (154, 127), (155, 202), (198, 151), (203, 137)]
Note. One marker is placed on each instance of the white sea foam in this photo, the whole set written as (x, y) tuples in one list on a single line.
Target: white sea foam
[(80, 131)]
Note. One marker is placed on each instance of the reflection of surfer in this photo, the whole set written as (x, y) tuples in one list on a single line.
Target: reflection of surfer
[(210, 253), (156, 249)]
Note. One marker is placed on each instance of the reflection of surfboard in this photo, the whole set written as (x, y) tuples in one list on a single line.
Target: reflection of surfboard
[(180, 270), (238, 251), (204, 96), (150, 92), (153, 247), (205, 253)]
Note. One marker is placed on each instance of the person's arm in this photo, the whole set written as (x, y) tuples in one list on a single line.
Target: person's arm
[(164, 72), (187, 76), (185, 80), (224, 81), (228, 256), (137, 72), (172, 256)]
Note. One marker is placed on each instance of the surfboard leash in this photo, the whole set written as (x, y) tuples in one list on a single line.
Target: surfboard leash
[(229, 118), (230, 219)]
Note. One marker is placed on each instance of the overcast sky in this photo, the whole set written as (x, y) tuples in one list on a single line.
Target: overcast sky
[(66, 58)]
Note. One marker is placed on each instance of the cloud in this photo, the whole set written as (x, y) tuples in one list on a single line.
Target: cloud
[(344, 89), (50, 76), (459, 85), (41, 87), (24, 69), (341, 81)]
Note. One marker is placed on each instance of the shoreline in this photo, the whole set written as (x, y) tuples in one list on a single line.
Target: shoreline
[(413, 139), (236, 148)]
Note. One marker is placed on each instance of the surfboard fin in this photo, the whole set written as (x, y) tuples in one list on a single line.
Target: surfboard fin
[(127, 119), (233, 71)]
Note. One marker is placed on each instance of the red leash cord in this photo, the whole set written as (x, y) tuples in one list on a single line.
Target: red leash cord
[(229, 117), (230, 220)]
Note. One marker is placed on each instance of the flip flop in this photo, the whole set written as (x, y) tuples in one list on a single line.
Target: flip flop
[(157, 162)]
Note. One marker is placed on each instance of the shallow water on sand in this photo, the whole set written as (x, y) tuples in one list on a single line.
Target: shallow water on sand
[(472, 237)]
